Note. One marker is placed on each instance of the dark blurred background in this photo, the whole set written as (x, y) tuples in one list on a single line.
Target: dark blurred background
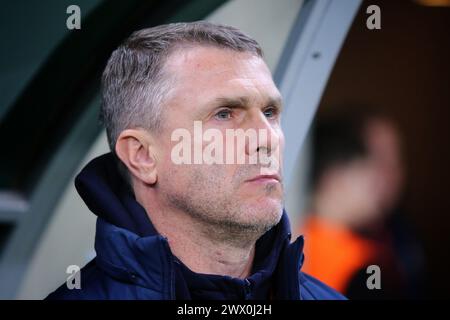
[(403, 71)]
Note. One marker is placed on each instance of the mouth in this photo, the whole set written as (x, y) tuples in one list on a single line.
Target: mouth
[(265, 178)]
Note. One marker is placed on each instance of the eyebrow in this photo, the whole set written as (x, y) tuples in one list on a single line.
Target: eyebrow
[(235, 102)]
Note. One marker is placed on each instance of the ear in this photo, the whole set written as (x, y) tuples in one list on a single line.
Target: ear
[(134, 149)]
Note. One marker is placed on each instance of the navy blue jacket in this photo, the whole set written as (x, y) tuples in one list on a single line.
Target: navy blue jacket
[(134, 262)]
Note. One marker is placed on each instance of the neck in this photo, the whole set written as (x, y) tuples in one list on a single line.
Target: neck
[(202, 247)]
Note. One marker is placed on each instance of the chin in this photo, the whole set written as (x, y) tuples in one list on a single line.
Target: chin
[(267, 210)]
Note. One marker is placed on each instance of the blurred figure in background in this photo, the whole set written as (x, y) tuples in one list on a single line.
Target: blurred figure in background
[(355, 218)]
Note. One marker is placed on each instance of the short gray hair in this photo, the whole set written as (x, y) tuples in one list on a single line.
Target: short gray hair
[(134, 85)]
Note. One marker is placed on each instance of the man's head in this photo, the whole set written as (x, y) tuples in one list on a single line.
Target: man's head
[(166, 78), (357, 166)]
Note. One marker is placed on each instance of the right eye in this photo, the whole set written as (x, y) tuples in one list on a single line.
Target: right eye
[(222, 115)]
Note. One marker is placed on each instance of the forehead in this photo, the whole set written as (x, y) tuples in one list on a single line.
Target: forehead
[(206, 72)]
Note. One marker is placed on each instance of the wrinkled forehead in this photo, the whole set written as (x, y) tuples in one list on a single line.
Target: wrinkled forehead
[(207, 72)]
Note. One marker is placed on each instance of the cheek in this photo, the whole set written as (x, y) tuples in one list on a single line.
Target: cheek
[(197, 178), (282, 143), (281, 148), (170, 173), (279, 136), (176, 179), (219, 181)]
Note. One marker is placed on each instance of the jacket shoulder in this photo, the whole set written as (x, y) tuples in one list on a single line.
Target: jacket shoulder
[(313, 289), (98, 285), (91, 286)]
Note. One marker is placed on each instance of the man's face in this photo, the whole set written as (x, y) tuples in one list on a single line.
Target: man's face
[(223, 89)]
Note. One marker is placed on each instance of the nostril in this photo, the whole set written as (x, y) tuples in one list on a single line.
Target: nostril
[(264, 149)]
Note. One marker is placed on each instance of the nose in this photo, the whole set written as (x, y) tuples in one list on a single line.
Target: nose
[(268, 138)]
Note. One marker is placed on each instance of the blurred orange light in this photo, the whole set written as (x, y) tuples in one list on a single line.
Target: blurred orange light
[(434, 3)]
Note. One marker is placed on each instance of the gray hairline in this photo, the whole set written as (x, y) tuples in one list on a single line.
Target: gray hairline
[(156, 92)]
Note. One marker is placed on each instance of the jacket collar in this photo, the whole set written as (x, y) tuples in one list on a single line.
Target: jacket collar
[(144, 261), (148, 261)]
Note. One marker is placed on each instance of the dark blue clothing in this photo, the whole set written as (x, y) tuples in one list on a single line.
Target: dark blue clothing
[(134, 262)]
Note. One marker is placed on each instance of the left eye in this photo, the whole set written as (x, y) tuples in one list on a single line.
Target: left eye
[(270, 112)]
